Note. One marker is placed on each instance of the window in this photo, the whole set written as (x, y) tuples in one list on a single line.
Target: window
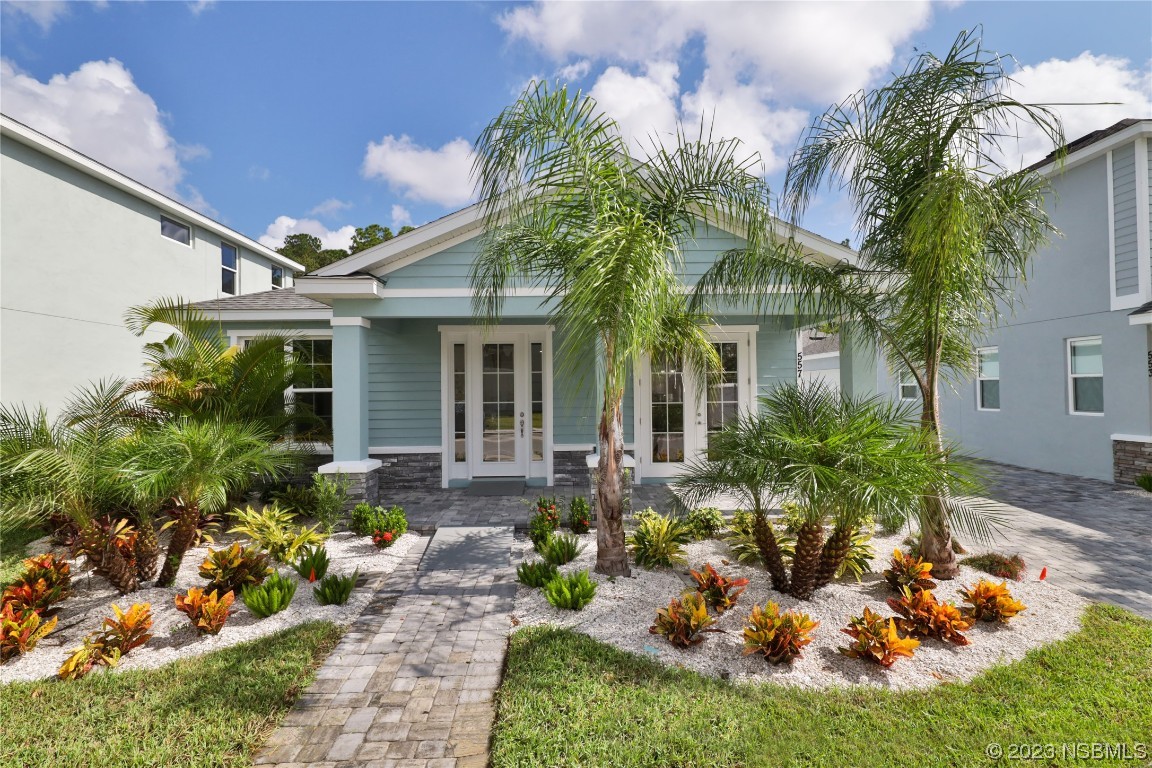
[(229, 269), (459, 403), (1086, 375), (277, 277), (174, 230), (988, 379), (312, 391), (909, 389)]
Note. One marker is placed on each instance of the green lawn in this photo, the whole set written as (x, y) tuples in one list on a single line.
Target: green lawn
[(213, 710), (569, 700), (12, 551)]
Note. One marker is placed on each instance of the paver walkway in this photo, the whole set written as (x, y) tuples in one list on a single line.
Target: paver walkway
[(411, 685), (1095, 538)]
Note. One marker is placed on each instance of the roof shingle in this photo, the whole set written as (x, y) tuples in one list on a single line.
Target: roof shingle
[(278, 298)]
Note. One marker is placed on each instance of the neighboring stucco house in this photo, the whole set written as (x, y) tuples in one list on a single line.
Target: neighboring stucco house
[(1065, 383), (422, 395), (79, 244)]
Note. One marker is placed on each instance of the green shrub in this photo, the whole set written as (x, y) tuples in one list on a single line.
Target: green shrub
[(300, 499), (535, 574), (1145, 482), (335, 589), (540, 530), (232, 569), (368, 520), (645, 514), (271, 529), (704, 523), (561, 549), (268, 598), (579, 515), (312, 563), (328, 498), (570, 592), (658, 542), (997, 565), (859, 558)]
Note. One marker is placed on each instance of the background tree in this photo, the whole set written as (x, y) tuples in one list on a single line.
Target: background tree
[(568, 209), (368, 236), (310, 251), (945, 228)]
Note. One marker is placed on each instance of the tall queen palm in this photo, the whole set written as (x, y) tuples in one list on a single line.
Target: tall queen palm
[(570, 210), (946, 229)]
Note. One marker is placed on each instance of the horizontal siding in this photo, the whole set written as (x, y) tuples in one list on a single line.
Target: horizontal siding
[(775, 358), (1126, 258), (404, 383), (1148, 142)]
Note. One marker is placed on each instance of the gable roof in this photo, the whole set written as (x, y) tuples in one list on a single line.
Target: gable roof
[(1093, 144), (467, 223), (14, 130), (276, 304)]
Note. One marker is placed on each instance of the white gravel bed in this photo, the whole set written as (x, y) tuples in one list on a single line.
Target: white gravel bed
[(174, 638), (624, 608)]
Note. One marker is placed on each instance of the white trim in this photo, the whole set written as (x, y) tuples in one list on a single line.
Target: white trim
[(359, 467), (1071, 377), (13, 129), (361, 322), (320, 288), (979, 378), (1144, 318), (1143, 237), (235, 334), (584, 447), (388, 449), (454, 293), (820, 355), (287, 315), (1133, 438), (1098, 148)]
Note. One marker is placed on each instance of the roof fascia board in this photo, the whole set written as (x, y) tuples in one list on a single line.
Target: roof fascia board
[(1098, 148), (321, 288), (21, 133)]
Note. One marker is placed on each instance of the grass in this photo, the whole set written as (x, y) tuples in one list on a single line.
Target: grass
[(13, 550), (212, 710), (569, 700)]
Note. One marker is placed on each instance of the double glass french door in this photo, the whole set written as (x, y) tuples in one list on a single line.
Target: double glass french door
[(505, 413), (677, 411)]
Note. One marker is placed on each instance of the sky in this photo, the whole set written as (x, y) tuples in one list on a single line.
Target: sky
[(318, 117)]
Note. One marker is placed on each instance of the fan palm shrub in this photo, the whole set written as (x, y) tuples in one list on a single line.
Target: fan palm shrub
[(199, 464), (946, 229), (841, 460), (569, 210)]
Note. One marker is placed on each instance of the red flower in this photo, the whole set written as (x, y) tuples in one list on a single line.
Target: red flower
[(387, 535), (312, 576), (1043, 573)]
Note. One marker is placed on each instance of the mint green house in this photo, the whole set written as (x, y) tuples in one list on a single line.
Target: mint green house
[(420, 394)]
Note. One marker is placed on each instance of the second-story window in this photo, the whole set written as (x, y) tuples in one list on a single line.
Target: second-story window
[(229, 269), (174, 230), (277, 277)]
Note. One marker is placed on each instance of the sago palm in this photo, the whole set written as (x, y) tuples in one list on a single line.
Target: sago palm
[(198, 464), (946, 230), (569, 210), (840, 459)]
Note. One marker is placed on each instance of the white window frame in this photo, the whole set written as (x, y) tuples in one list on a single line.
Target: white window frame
[(906, 379), (274, 269), (1068, 344), (178, 223), (979, 394), (234, 270)]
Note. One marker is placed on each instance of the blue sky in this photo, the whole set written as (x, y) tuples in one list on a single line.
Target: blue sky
[(279, 117)]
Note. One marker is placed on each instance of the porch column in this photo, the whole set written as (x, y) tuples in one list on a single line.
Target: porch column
[(858, 358), (350, 389)]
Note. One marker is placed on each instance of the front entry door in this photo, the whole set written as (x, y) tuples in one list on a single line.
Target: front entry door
[(676, 414)]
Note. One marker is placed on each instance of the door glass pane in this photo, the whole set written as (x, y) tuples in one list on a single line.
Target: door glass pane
[(498, 407), (724, 394), (667, 413), (537, 402), (459, 403)]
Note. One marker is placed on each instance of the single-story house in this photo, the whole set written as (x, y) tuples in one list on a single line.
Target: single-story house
[(421, 394)]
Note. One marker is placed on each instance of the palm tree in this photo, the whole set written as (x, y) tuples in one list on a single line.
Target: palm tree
[(841, 459), (570, 210), (197, 373), (198, 464), (946, 229), (66, 466)]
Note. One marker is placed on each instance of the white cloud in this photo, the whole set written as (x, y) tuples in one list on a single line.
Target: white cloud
[(440, 176), (818, 51), (44, 13), (99, 110), (401, 216), (577, 70), (1087, 79), (198, 7), (329, 207), (645, 105), (274, 235)]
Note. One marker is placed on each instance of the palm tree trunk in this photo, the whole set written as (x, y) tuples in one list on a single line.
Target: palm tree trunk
[(183, 535), (769, 550), (833, 554), (611, 554), (935, 532), (147, 550), (116, 568), (809, 540)]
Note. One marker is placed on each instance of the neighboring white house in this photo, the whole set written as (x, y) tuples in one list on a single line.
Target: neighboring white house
[(79, 244)]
